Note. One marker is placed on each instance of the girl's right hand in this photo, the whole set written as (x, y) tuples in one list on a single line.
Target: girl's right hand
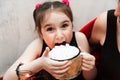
[(55, 68)]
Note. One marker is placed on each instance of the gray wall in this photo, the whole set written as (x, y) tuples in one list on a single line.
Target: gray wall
[(17, 26)]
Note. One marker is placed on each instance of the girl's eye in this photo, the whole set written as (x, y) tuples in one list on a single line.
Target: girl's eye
[(65, 25), (49, 29)]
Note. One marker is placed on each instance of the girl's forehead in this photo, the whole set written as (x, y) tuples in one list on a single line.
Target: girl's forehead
[(54, 14), (55, 18)]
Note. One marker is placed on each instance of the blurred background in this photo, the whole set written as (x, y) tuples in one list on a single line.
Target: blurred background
[(17, 25)]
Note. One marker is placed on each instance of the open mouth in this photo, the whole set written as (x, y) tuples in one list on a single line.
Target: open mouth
[(58, 44)]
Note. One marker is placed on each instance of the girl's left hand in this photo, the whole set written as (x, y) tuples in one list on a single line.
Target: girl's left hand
[(88, 61)]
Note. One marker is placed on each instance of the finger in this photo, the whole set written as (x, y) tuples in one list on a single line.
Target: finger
[(88, 62), (87, 66), (61, 66), (45, 53), (87, 56), (61, 63), (61, 71)]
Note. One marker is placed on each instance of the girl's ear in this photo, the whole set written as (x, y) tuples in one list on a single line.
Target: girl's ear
[(72, 26), (40, 34)]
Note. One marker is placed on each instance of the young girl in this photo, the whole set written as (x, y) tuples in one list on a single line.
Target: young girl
[(54, 23)]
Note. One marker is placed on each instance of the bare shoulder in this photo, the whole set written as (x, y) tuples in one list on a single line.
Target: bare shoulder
[(34, 49), (80, 36), (35, 46), (36, 42), (101, 19), (82, 41), (99, 29)]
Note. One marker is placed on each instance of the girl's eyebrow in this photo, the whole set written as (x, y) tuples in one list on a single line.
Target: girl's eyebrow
[(47, 25), (65, 21)]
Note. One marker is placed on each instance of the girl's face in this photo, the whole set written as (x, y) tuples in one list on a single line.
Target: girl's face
[(56, 29)]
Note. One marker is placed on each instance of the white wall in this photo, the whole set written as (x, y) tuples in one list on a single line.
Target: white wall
[(17, 26)]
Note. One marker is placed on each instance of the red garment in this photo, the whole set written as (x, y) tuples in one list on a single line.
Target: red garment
[(87, 29)]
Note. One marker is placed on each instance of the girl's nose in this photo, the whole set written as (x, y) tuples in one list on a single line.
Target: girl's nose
[(60, 36)]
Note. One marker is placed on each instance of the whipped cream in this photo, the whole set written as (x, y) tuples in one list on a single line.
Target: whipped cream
[(63, 52)]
